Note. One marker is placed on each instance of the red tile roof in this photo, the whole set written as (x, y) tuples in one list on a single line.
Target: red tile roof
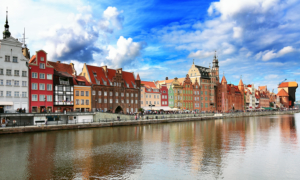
[(62, 67), (80, 79), (100, 75), (149, 84), (282, 93), (32, 59), (249, 85), (138, 77)]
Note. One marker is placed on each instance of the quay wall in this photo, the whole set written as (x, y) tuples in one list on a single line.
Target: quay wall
[(109, 120)]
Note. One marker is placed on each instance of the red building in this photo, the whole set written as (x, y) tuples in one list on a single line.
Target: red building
[(164, 95), (196, 96), (40, 83)]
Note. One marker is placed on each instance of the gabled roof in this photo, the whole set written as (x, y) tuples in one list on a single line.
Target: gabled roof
[(128, 77), (80, 79), (149, 84), (288, 84), (282, 93), (203, 71), (32, 59), (223, 80), (62, 67)]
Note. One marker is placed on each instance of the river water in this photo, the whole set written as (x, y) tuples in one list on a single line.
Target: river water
[(264, 147)]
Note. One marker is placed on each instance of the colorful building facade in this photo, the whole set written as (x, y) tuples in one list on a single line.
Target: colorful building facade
[(82, 94), (171, 97), (151, 95), (113, 90), (41, 83), (164, 95)]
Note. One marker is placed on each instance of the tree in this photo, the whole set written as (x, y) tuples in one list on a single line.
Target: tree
[(141, 110)]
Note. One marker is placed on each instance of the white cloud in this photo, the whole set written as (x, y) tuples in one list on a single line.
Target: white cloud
[(268, 55), (201, 54), (237, 32), (125, 52), (113, 15)]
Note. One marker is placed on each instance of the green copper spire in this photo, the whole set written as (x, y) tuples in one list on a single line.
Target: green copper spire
[(6, 32)]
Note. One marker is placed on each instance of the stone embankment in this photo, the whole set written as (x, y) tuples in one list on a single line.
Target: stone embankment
[(108, 120)]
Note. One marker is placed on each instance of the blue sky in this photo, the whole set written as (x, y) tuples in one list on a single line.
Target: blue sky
[(258, 39)]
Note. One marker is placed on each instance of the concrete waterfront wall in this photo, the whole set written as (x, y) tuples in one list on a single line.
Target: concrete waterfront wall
[(127, 121)]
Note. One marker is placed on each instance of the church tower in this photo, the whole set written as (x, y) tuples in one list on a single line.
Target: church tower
[(6, 32), (216, 67)]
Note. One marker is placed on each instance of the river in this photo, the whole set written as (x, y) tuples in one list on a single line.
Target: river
[(265, 147)]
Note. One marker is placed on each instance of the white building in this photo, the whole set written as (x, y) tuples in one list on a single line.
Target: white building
[(13, 74)]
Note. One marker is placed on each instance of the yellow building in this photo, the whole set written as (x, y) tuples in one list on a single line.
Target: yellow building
[(178, 93), (82, 95)]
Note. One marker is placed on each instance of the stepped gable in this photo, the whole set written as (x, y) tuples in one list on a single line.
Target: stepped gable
[(282, 93)]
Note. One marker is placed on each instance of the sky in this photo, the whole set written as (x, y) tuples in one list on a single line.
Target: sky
[(257, 40)]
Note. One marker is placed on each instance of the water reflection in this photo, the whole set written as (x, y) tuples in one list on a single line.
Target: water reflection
[(256, 147)]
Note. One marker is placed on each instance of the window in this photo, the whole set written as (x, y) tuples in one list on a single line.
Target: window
[(16, 72), (34, 75), (122, 94), (7, 58), (105, 93), (154, 96), (146, 96), (42, 58), (142, 96), (87, 102), (149, 96), (110, 93), (117, 101), (136, 101), (127, 94), (99, 100), (34, 86), (8, 82), (49, 87), (110, 101), (157, 102), (24, 83), (117, 93), (136, 95), (105, 100), (49, 97), (131, 109), (1, 82), (15, 59), (1, 93), (99, 93), (87, 93), (8, 72), (131, 101), (16, 83), (34, 97), (82, 101), (49, 76), (42, 66), (127, 100), (42, 98), (8, 93), (17, 94), (146, 102), (77, 93), (42, 86), (82, 93), (77, 101), (24, 94), (122, 101), (42, 76), (132, 95), (141, 102), (1, 71), (24, 73)]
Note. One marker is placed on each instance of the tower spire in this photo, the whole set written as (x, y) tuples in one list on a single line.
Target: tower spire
[(6, 32)]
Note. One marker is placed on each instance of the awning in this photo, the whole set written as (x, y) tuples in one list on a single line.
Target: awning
[(6, 103)]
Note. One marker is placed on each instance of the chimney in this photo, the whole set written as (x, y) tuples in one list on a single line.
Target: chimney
[(167, 78), (119, 70), (58, 61)]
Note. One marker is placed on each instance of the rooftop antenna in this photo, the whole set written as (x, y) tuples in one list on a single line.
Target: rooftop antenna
[(241, 77), (24, 43)]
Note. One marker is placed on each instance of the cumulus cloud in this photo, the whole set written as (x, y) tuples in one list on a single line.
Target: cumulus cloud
[(125, 52), (271, 54), (78, 40), (201, 54)]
